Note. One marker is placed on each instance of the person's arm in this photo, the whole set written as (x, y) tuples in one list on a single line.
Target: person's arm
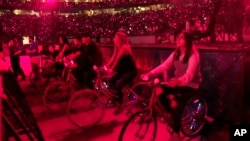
[(19, 51), (30, 51), (164, 66), (73, 56), (193, 64), (61, 53)]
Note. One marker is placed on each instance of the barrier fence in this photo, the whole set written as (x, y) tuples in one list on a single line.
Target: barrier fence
[(18, 121)]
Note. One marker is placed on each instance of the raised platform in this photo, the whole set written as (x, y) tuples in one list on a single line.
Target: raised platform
[(223, 67)]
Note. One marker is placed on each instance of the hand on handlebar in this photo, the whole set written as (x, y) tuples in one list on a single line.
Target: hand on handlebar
[(72, 66), (173, 83), (146, 76), (102, 69), (110, 71), (95, 68)]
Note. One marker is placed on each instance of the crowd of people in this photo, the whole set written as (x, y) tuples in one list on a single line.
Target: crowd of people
[(48, 27), (51, 4)]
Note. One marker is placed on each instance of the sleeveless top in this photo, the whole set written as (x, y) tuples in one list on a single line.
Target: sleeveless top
[(194, 83), (125, 64)]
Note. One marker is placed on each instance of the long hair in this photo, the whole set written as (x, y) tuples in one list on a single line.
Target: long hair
[(189, 44), (123, 37)]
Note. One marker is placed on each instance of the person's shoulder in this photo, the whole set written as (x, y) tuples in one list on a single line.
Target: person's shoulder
[(195, 53), (126, 47)]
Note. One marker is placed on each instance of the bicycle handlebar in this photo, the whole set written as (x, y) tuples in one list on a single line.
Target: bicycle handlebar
[(97, 69), (154, 80)]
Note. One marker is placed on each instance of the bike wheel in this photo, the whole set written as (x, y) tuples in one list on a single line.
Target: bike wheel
[(38, 80), (56, 93), (138, 97), (141, 126), (85, 108), (193, 116)]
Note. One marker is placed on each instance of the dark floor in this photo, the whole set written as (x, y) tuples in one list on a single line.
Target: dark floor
[(56, 127)]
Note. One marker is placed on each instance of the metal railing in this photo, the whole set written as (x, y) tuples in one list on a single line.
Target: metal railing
[(17, 119)]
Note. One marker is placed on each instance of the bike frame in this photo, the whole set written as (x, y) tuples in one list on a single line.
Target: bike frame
[(102, 87), (154, 104)]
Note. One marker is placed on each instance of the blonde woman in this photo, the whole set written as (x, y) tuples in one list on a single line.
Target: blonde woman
[(122, 64)]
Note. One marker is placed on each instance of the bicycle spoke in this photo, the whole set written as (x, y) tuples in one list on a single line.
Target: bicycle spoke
[(193, 116)]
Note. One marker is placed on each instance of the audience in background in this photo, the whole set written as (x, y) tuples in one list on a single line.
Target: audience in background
[(14, 52), (151, 22)]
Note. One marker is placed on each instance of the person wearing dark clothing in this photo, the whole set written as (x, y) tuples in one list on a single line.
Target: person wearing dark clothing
[(14, 52), (122, 64), (87, 56), (59, 52), (76, 48)]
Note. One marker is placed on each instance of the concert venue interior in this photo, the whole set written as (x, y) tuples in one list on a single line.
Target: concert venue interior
[(47, 101)]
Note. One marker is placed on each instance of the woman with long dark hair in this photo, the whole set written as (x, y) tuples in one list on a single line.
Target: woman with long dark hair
[(187, 77), (186, 81)]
